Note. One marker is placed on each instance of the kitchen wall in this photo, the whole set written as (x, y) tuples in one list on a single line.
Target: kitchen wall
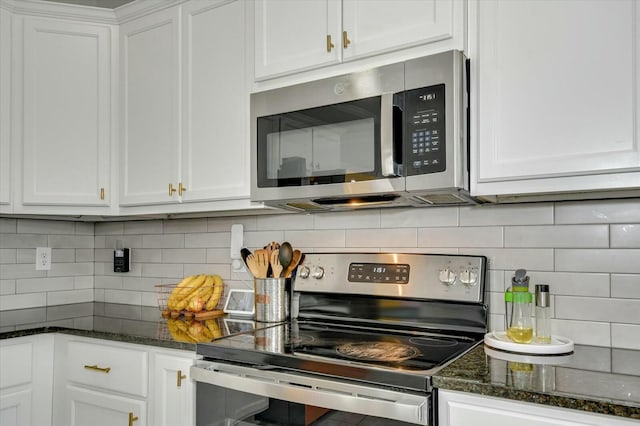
[(588, 252), (70, 279)]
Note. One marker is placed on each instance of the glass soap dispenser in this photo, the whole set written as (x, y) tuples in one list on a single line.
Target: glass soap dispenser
[(519, 300)]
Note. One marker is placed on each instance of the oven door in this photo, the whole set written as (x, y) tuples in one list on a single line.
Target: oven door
[(229, 394)]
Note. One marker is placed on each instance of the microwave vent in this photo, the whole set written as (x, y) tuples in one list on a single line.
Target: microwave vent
[(441, 199), (366, 200), (305, 207)]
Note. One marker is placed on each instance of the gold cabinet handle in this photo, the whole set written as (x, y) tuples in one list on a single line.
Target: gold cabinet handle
[(102, 193), (171, 190), (96, 368), (345, 40), (132, 419), (180, 377), (329, 44), (181, 189)]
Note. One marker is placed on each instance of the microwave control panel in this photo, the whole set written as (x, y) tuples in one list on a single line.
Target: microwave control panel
[(425, 129)]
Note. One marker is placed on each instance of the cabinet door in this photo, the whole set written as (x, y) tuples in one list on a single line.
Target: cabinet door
[(462, 409), (67, 107), (383, 25), (215, 108), (26, 385), (5, 107), (556, 89), (15, 408), (150, 139), (173, 398), (88, 407), (291, 35)]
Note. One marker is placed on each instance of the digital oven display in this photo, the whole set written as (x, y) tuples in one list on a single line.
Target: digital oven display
[(386, 273)]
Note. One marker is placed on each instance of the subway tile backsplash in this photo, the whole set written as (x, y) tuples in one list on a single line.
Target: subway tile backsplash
[(588, 252)]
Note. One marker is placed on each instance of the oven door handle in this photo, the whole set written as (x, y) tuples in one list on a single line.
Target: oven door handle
[(312, 390)]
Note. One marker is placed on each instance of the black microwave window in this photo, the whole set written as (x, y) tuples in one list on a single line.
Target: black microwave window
[(331, 144), (425, 131)]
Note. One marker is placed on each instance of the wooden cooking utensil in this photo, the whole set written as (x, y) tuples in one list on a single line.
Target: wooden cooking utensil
[(295, 260), (262, 262), (276, 267), (252, 264)]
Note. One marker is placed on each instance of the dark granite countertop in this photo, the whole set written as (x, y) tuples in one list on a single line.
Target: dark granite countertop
[(124, 323), (592, 379)]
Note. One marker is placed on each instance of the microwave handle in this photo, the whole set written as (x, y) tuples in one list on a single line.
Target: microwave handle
[(386, 136)]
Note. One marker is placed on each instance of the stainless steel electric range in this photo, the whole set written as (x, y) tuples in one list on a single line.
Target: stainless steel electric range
[(367, 331)]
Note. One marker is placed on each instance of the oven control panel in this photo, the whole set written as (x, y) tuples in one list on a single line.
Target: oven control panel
[(422, 276), (387, 273)]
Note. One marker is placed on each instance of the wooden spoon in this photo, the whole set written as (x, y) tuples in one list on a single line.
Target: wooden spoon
[(295, 259), (276, 267)]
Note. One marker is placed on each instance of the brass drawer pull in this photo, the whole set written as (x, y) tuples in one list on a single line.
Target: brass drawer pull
[(132, 419), (171, 190), (181, 189), (180, 377), (96, 368)]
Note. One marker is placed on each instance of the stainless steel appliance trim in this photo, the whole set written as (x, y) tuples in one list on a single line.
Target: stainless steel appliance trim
[(305, 389), (386, 135), (447, 68)]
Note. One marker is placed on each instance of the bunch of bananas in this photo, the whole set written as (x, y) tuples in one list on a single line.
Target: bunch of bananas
[(194, 331), (196, 293)]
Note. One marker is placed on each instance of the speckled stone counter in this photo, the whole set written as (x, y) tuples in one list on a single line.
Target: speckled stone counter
[(125, 323), (593, 379)]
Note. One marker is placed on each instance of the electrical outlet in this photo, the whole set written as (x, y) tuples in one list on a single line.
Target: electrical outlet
[(43, 258)]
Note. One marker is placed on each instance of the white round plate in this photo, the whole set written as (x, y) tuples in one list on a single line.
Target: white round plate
[(499, 340)]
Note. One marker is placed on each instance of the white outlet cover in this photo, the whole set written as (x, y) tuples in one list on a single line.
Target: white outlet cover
[(43, 258)]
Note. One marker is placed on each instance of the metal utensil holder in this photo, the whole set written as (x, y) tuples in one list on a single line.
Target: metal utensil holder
[(271, 299)]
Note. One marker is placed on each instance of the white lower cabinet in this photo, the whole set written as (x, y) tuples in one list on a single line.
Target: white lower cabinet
[(463, 409), (26, 380), (90, 407), (174, 391), (15, 408), (100, 382)]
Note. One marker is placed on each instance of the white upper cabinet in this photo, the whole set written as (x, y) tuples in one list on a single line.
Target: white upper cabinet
[(293, 36), (184, 106), (555, 89), (215, 159), (375, 27), (66, 122), (150, 105), (5, 109)]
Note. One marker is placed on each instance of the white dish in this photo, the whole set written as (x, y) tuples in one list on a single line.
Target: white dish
[(499, 340), (538, 359)]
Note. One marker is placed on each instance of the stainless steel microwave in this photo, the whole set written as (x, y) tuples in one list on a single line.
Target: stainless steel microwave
[(389, 136)]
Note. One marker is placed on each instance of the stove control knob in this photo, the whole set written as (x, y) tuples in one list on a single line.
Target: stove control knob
[(468, 277), (447, 276), (304, 272), (318, 272)]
